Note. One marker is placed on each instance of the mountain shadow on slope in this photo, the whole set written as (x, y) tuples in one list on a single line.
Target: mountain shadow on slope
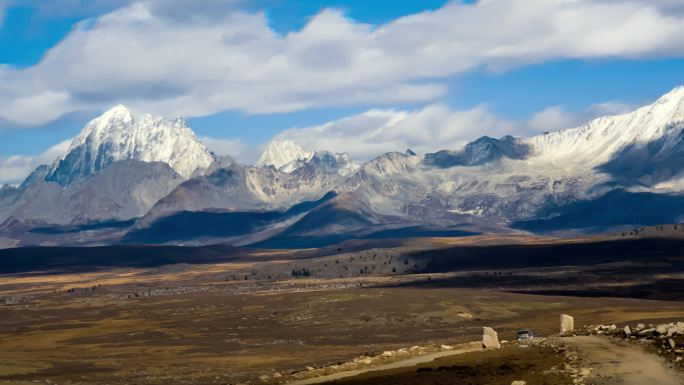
[(617, 207), (305, 242), (55, 230), (649, 164), (188, 225), (345, 219)]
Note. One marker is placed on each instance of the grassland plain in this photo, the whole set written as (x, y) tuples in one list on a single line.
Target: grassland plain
[(231, 322), (226, 334)]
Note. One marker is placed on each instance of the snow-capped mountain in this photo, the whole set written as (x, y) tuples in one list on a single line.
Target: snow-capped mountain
[(116, 135), (283, 155), (287, 156), (615, 170), (598, 141)]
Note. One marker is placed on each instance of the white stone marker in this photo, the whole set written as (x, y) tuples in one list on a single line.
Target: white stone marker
[(490, 338), (567, 324)]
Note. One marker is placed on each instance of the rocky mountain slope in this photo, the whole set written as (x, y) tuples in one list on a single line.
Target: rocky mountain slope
[(150, 170), (124, 190)]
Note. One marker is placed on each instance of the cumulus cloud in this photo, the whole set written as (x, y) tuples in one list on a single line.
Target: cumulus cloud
[(14, 169), (369, 134), (168, 58), (235, 148), (556, 117), (22, 110)]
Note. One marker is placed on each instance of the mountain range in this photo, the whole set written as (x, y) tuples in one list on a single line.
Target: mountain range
[(151, 180)]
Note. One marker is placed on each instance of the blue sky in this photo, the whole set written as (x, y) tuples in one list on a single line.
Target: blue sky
[(570, 80)]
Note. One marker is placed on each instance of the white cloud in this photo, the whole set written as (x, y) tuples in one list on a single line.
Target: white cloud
[(551, 119), (374, 132), (235, 148), (22, 110), (608, 108), (169, 58), (555, 117), (14, 169)]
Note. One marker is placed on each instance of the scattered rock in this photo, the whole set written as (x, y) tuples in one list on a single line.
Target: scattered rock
[(447, 347), (387, 353), (645, 332), (627, 331), (518, 383), (661, 329), (672, 330), (490, 338)]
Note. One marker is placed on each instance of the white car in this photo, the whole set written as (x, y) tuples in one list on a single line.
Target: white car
[(524, 334)]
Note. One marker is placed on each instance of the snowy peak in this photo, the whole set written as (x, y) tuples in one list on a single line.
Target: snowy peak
[(597, 141), (287, 156), (118, 113), (281, 153), (671, 105), (117, 135)]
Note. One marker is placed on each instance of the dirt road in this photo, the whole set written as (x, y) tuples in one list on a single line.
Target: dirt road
[(611, 362), (616, 362), (394, 365)]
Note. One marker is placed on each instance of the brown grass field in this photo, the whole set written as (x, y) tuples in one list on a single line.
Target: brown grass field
[(231, 322)]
